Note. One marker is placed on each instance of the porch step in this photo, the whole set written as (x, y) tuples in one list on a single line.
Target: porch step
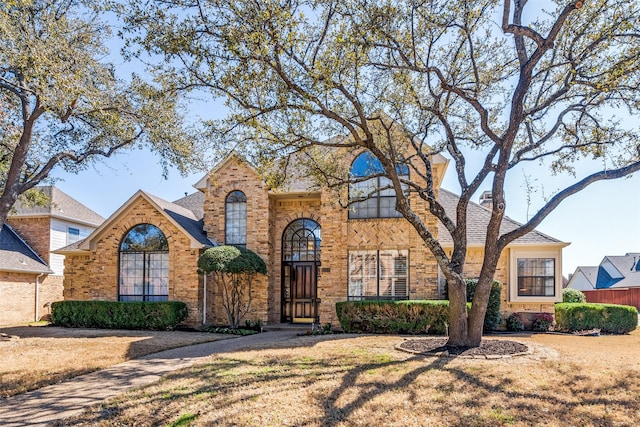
[(294, 327)]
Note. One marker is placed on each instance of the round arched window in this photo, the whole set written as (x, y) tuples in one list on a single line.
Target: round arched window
[(144, 265), (301, 241), (371, 192)]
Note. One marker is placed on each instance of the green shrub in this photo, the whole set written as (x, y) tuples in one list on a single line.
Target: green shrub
[(118, 315), (393, 317), (492, 317), (609, 318), (542, 322), (573, 295), (514, 322)]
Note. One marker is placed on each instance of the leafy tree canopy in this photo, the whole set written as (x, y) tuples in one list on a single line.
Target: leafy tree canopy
[(494, 84), (61, 103), (231, 259)]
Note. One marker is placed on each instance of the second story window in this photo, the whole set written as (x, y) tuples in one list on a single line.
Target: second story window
[(73, 235), (236, 219), (377, 194)]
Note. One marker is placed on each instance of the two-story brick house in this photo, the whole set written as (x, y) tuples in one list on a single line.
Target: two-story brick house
[(317, 252)]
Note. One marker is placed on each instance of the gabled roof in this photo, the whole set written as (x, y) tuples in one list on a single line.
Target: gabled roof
[(202, 183), (184, 219), (60, 205), (590, 273), (478, 218), (619, 271), (16, 255)]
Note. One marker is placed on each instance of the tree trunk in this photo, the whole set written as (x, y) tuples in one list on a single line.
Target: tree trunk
[(12, 186), (458, 321)]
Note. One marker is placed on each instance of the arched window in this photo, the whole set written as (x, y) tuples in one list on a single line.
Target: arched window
[(236, 219), (379, 197), (144, 265), (301, 241)]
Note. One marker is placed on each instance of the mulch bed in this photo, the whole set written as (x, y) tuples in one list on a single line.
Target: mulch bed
[(487, 347)]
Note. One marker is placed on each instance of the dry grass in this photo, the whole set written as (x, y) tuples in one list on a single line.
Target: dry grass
[(350, 381), (37, 356)]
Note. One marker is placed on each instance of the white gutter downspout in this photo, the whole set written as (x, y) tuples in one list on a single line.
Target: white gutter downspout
[(204, 301), (37, 317)]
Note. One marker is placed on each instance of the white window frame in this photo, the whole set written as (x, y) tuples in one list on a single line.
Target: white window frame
[(516, 254), (357, 282)]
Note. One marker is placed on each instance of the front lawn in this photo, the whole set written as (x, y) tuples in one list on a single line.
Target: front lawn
[(348, 381)]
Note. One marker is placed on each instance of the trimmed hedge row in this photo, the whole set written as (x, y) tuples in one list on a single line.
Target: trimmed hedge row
[(118, 315), (609, 318), (393, 317)]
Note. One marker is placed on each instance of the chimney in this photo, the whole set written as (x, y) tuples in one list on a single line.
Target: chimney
[(486, 200)]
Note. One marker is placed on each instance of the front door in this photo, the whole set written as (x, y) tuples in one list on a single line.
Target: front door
[(300, 299), (300, 261)]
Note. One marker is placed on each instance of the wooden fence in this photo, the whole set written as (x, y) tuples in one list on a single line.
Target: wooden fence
[(626, 296)]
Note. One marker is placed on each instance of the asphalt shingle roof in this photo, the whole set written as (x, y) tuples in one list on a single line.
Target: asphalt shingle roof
[(627, 265), (60, 205), (194, 202), (478, 218), (17, 256), (185, 217)]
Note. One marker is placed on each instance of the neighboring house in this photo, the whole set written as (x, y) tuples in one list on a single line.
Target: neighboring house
[(21, 273), (616, 280), (317, 252), (42, 229)]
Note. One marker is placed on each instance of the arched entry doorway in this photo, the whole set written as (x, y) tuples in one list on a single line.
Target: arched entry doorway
[(300, 262)]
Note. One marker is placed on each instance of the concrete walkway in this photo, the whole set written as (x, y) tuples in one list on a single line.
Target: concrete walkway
[(69, 398)]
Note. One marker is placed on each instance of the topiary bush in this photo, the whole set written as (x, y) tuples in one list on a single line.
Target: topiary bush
[(573, 295), (393, 317), (492, 317), (609, 318), (233, 270), (118, 315), (514, 322)]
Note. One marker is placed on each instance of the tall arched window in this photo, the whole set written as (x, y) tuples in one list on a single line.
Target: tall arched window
[(144, 265), (377, 198), (236, 219)]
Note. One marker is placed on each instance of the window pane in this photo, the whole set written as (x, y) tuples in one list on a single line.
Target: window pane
[(378, 274), (144, 237), (536, 277), (236, 218), (301, 241), (381, 202), (144, 272), (73, 235)]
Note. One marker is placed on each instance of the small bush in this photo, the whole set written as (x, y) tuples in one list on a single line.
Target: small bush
[(515, 323), (118, 315), (542, 322), (253, 325), (393, 317), (609, 318), (573, 295), (230, 331), (492, 317)]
